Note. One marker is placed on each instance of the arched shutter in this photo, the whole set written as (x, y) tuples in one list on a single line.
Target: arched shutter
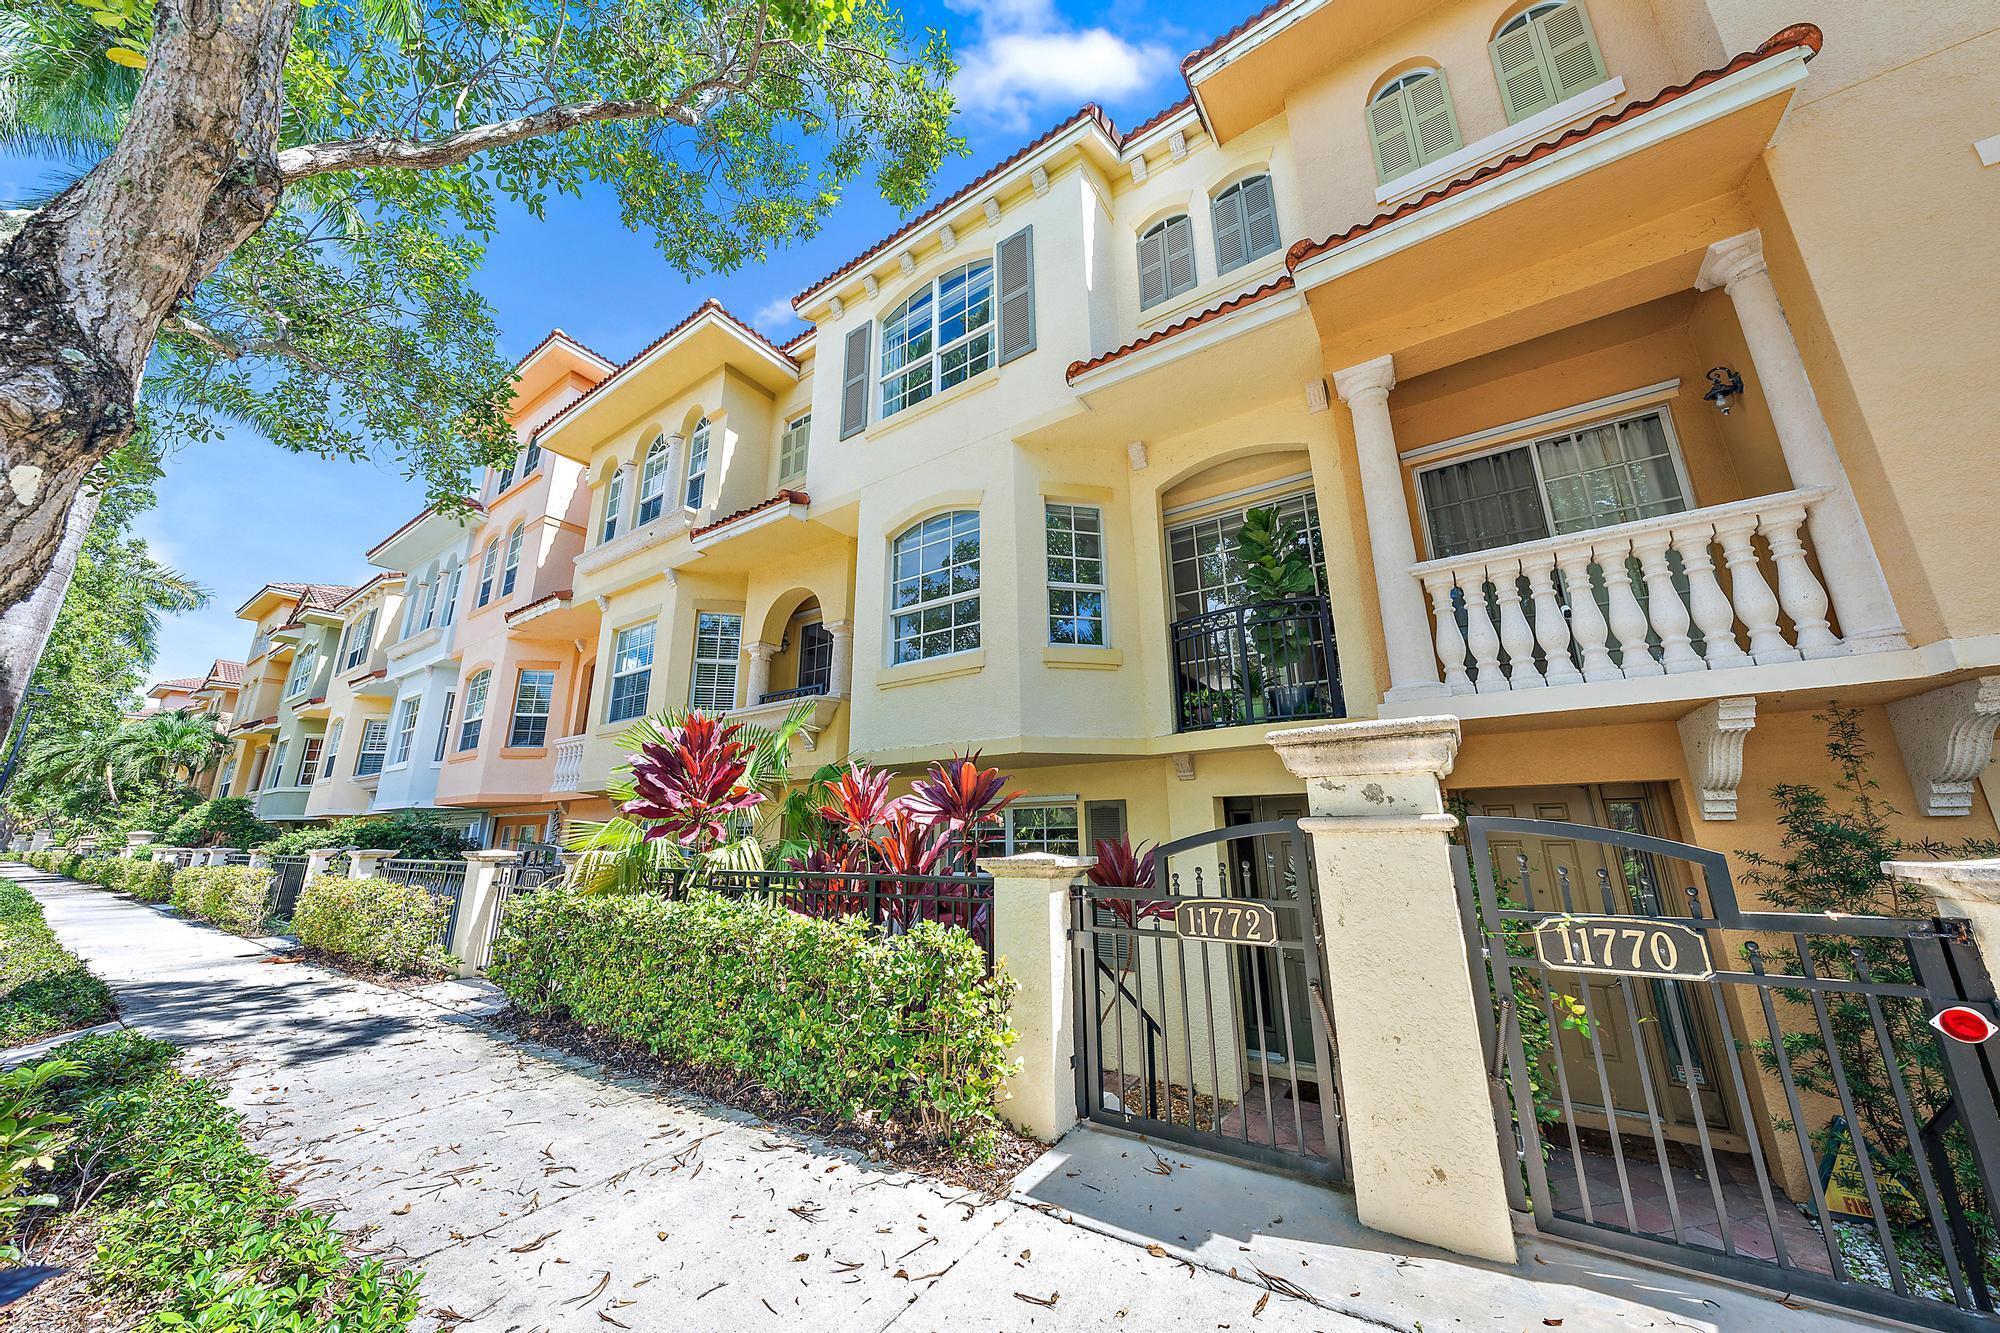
[(1431, 117), (1520, 65), (854, 383), (1153, 267), (1180, 256), (1395, 139), (1016, 279), (1260, 217), (1570, 46)]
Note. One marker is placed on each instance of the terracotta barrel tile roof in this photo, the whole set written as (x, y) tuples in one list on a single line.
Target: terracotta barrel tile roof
[(782, 497), (1233, 304)]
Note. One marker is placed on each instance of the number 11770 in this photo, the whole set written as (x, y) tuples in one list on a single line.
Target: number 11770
[(1623, 946)]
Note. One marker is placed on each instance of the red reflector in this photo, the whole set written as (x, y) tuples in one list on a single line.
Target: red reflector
[(1963, 1024)]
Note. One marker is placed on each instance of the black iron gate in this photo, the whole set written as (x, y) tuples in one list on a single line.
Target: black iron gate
[(1201, 1015), (1757, 1095)]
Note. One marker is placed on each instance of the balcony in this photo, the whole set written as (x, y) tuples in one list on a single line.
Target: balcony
[(1256, 663), (569, 763), (1705, 591)]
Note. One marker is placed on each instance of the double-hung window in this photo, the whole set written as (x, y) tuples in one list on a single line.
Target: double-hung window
[(1166, 260), (276, 777), (513, 566), (1076, 575), (450, 609), (792, 450), (304, 666), (941, 336), (444, 727), (534, 700), (332, 748), (505, 479), (475, 711), (364, 634), (1593, 477), (374, 745), (934, 587), (631, 672), (718, 647), (531, 458), (432, 591), (1051, 827), (614, 505), (653, 481), (489, 565), (308, 761), (1246, 223), (697, 476), (406, 730)]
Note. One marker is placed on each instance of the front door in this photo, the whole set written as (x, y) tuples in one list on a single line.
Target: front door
[(1571, 876), (1266, 869)]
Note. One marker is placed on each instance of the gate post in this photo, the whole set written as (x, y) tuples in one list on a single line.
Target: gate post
[(1422, 1149), (1031, 945), (478, 900), (366, 863), (1967, 890), (317, 861)]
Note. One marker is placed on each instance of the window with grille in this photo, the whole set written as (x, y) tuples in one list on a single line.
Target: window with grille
[(718, 647), (697, 475), (939, 337), (653, 480), (1076, 575), (374, 746), (815, 658), (303, 668), (631, 672), (1043, 828), (308, 762), (406, 731), (1592, 477), (450, 610), (792, 449), (934, 587), (534, 700), (475, 711), (489, 565), (1411, 123), (513, 567), (364, 635), (444, 727), (275, 777), (1166, 260), (614, 505), (332, 748), (1246, 223), (1206, 571)]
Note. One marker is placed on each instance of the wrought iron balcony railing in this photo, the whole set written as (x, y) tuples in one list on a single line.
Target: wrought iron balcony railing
[(1262, 662)]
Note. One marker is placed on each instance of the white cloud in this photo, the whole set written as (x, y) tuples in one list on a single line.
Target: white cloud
[(1027, 56), (775, 319)]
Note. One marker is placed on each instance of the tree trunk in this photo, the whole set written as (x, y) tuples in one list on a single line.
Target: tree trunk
[(25, 626)]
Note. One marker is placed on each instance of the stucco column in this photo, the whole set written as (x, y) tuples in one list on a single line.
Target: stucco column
[(317, 859), (1406, 619), (1854, 579), (1424, 1154), (760, 671), (140, 838), (42, 841), (364, 864), (478, 900), (1031, 944), (260, 860), (1966, 890), (841, 668), (219, 855)]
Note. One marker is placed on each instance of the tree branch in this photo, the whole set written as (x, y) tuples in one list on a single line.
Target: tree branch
[(297, 164)]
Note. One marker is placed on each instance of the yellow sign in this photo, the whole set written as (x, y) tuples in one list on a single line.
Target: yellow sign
[(1846, 1193)]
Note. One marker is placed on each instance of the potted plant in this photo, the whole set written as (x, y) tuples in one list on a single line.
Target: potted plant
[(1278, 567)]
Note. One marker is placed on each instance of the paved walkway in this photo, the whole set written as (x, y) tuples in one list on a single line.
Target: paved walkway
[(537, 1192)]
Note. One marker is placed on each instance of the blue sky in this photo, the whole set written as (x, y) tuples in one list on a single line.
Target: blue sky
[(242, 512)]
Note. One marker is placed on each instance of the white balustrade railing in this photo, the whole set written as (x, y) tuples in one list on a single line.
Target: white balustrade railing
[(1679, 593), (569, 764)]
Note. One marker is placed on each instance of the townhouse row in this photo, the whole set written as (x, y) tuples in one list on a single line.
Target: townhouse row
[(1620, 367)]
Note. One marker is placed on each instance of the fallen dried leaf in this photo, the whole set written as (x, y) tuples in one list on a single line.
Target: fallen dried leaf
[(1048, 1303)]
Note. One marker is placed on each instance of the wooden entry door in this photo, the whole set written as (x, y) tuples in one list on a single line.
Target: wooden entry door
[(1632, 882)]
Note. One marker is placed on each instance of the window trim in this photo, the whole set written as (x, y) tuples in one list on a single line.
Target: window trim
[(663, 448), (790, 474), (449, 611), (309, 752), (510, 568), (1069, 802), (614, 676), (614, 505), (307, 655), (514, 713), (896, 613), (1529, 440), (694, 485), (274, 776), (364, 634), (483, 679), (489, 569), (1103, 590), (362, 751), (935, 357), (696, 661), (330, 754), (404, 742)]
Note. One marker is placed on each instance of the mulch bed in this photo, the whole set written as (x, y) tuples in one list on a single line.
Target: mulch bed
[(881, 1142), (65, 1303), (354, 967)]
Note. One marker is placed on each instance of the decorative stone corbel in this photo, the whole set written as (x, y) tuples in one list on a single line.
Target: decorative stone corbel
[(871, 286), (906, 262), (1946, 737), (1184, 766), (1040, 180), (1317, 397), (992, 210), (837, 306), (1177, 145), (947, 238), (1139, 169), (1712, 737)]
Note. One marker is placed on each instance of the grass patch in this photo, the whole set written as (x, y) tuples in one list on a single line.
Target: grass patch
[(44, 988), (191, 1230)]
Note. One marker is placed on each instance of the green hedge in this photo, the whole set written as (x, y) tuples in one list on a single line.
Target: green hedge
[(191, 1227), (392, 926), (236, 898), (826, 1013), (418, 834), (44, 988)]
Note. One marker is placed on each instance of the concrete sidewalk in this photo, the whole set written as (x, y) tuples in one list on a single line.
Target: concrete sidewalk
[(538, 1192)]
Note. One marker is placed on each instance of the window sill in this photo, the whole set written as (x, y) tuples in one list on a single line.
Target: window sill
[(1503, 141), (1078, 657), (523, 751), (985, 379), (934, 668)]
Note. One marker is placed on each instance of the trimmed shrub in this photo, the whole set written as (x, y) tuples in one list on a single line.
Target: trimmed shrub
[(152, 881), (826, 1013), (234, 897), (417, 834), (44, 988), (392, 926)]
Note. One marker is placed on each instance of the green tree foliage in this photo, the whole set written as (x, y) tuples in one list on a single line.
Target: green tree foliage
[(225, 821), (418, 834)]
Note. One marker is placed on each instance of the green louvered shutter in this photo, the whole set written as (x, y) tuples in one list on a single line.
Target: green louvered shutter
[(1395, 139), (1520, 65), (1431, 117), (1260, 217), (1227, 212), (1153, 267), (1570, 47)]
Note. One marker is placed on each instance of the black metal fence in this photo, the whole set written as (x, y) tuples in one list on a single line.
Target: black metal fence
[(444, 880), (890, 902), (1267, 662), (288, 878)]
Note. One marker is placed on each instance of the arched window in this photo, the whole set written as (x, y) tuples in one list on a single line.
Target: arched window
[(1411, 123), (1166, 260), (433, 589), (614, 505), (475, 710), (1246, 223), (531, 458), (489, 565), (1545, 54), (941, 336), (450, 611), (697, 477), (513, 569), (934, 587), (653, 480)]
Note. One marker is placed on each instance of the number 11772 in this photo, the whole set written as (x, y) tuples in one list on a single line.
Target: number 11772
[(1623, 946)]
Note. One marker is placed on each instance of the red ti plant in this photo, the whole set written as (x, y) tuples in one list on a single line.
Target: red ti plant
[(957, 798), (902, 846), (858, 801), (831, 896), (1119, 866), (688, 785)]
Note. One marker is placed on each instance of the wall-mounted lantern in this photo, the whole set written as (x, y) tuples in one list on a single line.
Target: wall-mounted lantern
[(1723, 385)]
